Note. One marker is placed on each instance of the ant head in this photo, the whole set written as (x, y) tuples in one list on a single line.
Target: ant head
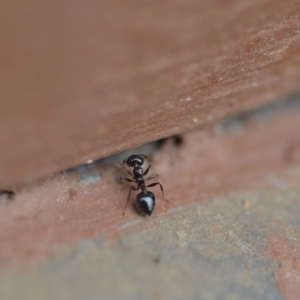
[(134, 160)]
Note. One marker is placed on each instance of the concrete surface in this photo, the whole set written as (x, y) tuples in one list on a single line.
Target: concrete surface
[(244, 245), (83, 80)]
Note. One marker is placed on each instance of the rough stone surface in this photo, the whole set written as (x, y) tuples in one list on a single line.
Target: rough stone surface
[(83, 80), (244, 245)]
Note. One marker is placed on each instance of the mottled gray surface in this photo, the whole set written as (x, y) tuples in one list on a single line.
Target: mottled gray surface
[(213, 250)]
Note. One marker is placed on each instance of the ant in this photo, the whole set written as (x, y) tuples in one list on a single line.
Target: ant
[(145, 200)]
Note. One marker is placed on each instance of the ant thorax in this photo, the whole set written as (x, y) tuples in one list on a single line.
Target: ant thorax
[(138, 172)]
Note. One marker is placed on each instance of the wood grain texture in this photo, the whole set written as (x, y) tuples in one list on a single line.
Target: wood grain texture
[(82, 80)]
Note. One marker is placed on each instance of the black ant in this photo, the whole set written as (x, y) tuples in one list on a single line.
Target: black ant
[(145, 200)]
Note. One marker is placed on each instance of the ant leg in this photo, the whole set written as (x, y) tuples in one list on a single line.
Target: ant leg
[(127, 179), (145, 156), (131, 189), (120, 166), (151, 177), (147, 170), (161, 188)]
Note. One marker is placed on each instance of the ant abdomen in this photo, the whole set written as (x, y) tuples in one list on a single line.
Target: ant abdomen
[(145, 202)]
